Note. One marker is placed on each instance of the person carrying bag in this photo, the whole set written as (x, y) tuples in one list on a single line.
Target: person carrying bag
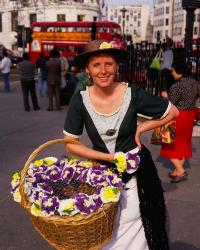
[(156, 63)]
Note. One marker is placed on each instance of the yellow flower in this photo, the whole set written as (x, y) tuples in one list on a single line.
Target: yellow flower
[(120, 161), (111, 45), (38, 163), (16, 176), (86, 164), (107, 172), (105, 45), (17, 196), (35, 210), (72, 160), (109, 194)]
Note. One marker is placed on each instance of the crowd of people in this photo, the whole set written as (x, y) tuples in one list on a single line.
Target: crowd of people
[(56, 79)]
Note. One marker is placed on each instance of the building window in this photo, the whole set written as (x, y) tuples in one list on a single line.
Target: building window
[(32, 18), (166, 21), (61, 17), (0, 22), (80, 18), (167, 10), (139, 23), (14, 21)]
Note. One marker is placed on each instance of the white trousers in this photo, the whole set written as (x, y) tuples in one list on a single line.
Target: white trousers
[(129, 231)]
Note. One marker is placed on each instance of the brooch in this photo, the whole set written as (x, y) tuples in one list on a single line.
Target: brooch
[(110, 132)]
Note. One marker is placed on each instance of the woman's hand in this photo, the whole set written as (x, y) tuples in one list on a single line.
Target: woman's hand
[(151, 124), (164, 94), (138, 138)]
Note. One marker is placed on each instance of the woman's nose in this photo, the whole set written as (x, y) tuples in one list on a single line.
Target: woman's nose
[(103, 69)]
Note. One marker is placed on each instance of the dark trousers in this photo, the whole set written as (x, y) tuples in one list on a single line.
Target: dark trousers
[(54, 90), (6, 81), (28, 86)]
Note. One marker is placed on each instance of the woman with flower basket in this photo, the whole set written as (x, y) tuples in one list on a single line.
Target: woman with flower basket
[(108, 109)]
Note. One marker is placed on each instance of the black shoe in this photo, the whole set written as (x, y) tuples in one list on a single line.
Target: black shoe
[(27, 110), (48, 109), (59, 109), (38, 108)]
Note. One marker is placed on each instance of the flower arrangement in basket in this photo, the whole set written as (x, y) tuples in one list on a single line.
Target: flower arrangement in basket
[(71, 203)]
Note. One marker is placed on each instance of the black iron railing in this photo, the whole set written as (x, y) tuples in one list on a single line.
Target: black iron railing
[(137, 70)]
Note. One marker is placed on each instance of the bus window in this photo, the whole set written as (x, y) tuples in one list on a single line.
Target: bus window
[(37, 29), (50, 29)]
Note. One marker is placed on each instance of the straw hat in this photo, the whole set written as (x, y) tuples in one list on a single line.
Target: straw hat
[(97, 47)]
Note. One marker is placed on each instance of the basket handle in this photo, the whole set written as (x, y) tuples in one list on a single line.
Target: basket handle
[(24, 201)]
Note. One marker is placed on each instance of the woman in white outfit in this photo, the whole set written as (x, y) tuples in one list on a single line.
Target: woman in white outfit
[(108, 109)]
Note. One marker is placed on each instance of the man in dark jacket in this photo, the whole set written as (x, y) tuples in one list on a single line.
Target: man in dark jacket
[(53, 71), (27, 73)]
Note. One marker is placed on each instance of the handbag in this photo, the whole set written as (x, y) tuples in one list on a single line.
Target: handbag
[(156, 63), (156, 136), (164, 134)]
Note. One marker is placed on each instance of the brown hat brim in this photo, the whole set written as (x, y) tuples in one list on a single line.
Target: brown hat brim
[(82, 59)]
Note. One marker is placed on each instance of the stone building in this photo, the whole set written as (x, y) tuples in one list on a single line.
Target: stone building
[(169, 19), (133, 19)]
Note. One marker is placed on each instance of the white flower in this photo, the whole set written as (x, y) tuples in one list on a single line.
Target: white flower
[(67, 207), (17, 196)]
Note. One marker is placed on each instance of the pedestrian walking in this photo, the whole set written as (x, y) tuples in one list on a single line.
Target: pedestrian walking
[(42, 80), (108, 110), (64, 68), (53, 71), (5, 70), (166, 65), (27, 74), (183, 93)]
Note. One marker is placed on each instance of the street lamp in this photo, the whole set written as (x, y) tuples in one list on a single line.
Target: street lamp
[(124, 10)]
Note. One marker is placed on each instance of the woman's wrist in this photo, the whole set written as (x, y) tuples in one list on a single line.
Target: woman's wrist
[(109, 157)]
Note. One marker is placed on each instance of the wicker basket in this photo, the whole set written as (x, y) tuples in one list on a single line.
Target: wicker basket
[(78, 232)]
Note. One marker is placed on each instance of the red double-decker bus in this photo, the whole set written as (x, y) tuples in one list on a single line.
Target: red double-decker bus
[(69, 37)]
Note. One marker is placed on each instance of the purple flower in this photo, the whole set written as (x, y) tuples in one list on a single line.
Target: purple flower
[(49, 204), (45, 187), (97, 200), (54, 174), (84, 203), (80, 174), (97, 180), (133, 161), (114, 180), (68, 173)]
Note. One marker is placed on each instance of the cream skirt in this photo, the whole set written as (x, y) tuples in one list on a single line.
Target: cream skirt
[(129, 231)]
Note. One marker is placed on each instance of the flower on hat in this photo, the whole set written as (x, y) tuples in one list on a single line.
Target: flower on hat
[(110, 45)]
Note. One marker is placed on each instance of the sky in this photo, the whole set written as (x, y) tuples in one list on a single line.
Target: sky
[(128, 2)]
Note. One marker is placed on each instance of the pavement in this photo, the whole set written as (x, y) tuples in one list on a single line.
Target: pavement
[(21, 132)]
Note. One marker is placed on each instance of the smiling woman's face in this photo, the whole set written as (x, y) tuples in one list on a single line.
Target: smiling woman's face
[(102, 69)]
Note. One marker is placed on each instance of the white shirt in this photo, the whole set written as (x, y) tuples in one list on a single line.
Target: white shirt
[(5, 65)]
